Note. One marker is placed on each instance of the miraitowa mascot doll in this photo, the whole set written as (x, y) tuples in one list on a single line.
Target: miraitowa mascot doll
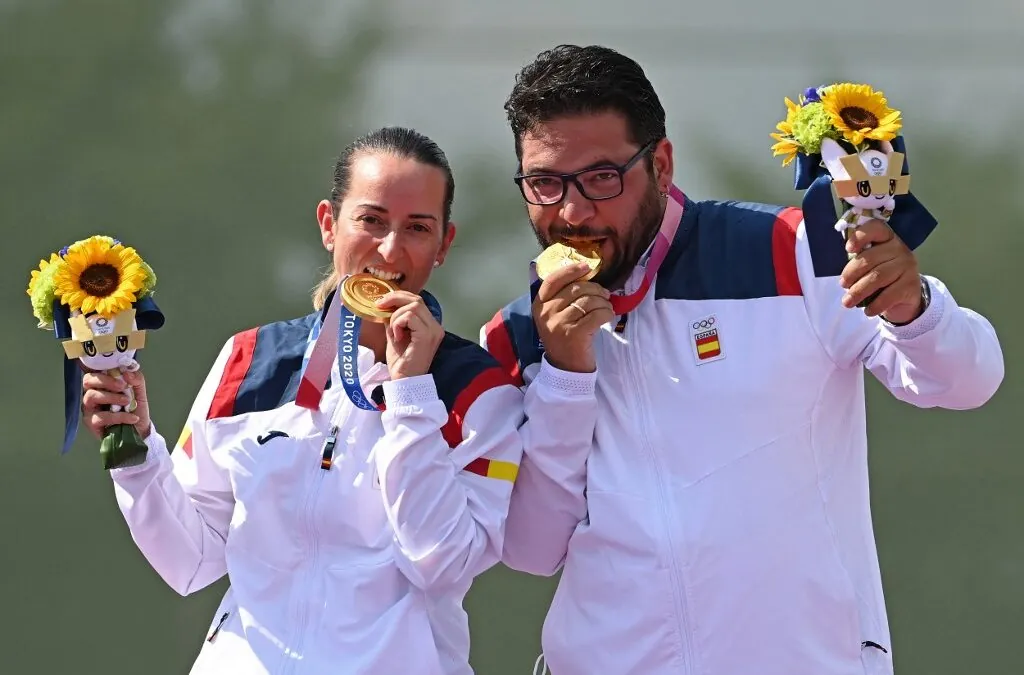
[(96, 295), (846, 135)]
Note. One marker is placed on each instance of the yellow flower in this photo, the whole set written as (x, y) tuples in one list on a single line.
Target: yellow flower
[(786, 146), (859, 112), (100, 275)]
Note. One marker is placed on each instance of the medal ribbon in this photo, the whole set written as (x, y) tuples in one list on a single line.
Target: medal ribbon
[(339, 336), (624, 304)]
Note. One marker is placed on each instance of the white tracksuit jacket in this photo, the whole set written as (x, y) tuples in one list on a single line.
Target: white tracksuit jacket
[(360, 568), (711, 516)]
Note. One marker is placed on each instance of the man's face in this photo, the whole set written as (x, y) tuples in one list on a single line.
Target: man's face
[(623, 226)]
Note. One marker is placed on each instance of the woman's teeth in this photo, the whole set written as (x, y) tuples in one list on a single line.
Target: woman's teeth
[(386, 276)]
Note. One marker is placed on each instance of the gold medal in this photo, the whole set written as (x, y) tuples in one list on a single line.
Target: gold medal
[(360, 293), (557, 256)]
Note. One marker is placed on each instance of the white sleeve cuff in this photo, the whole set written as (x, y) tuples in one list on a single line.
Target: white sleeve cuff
[(565, 381), (928, 320), (410, 391), (156, 454)]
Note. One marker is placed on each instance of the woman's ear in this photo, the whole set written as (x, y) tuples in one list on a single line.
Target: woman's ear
[(446, 244), (325, 221)]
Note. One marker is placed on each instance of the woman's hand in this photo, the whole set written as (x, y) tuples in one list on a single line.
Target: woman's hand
[(413, 334), (100, 390)]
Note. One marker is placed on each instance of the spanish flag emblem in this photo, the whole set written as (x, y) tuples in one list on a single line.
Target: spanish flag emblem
[(708, 345)]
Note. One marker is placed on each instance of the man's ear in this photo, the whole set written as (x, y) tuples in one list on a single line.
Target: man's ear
[(664, 167)]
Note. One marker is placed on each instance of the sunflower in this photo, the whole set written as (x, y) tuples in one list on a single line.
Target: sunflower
[(859, 113), (100, 275), (786, 146)]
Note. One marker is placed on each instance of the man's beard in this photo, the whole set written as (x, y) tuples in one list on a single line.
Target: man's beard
[(616, 268)]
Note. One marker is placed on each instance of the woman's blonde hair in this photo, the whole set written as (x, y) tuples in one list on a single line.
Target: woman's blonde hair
[(324, 289)]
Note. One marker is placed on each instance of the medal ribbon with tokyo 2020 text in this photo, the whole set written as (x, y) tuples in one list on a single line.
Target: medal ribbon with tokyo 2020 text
[(339, 337)]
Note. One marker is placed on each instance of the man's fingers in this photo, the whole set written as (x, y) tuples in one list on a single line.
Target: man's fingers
[(596, 318), (887, 298), (102, 381), (559, 279), (872, 232), (581, 309), (585, 304), (866, 261), (879, 277)]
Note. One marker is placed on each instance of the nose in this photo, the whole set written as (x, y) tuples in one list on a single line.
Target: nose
[(388, 246), (576, 209)]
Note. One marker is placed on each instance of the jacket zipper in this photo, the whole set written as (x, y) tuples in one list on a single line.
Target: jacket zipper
[(327, 450), (681, 612)]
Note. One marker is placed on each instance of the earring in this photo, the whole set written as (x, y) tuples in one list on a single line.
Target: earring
[(437, 263), (330, 248), (663, 193)]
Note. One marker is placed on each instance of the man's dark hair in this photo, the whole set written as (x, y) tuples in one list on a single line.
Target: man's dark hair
[(401, 142), (574, 80)]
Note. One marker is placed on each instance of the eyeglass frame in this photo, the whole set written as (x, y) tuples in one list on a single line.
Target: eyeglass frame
[(621, 169)]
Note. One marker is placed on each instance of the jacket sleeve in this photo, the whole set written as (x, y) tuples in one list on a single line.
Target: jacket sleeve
[(549, 496), (178, 507), (446, 480), (948, 357)]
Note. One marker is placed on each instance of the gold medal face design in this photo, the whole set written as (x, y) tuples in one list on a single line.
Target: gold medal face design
[(557, 256), (360, 293)]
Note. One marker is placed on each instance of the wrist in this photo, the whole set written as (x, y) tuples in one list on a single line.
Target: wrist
[(573, 365), (405, 373), (903, 317)]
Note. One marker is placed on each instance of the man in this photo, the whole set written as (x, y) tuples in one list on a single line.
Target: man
[(696, 456)]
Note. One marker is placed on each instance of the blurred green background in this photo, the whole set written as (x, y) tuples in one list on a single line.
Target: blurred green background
[(203, 133)]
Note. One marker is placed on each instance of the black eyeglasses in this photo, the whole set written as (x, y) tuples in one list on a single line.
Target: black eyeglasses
[(603, 182)]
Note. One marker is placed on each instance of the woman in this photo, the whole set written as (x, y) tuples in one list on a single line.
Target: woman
[(350, 530)]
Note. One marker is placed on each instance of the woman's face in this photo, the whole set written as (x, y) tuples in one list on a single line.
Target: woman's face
[(391, 222)]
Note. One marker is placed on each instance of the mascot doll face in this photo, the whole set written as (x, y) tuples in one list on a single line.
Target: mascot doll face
[(868, 180), (103, 344)]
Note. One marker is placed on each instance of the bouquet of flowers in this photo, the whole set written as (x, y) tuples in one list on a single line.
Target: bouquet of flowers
[(868, 177), (96, 295), (846, 135)]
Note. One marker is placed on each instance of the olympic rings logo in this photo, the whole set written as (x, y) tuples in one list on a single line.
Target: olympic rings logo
[(705, 323)]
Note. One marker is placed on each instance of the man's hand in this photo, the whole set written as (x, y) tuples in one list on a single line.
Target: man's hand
[(568, 314), (413, 334), (101, 390), (888, 264)]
